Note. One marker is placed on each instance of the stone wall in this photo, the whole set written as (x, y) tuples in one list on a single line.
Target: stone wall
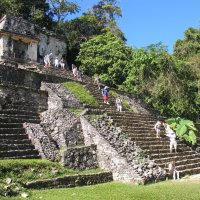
[(71, 181), (60, 97), (11, 96), (60, 124), (50, 44), (47, 149), (116, 153), (80, 158), (25, 78), (16, 32)]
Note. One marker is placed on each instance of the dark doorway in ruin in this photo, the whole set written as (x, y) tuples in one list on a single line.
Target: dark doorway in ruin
[(19, 49)]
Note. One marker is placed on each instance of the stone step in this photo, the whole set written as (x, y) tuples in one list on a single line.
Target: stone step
[(11, 125), (9, 147), (18, 120), (125, 123), (135, 122), (190, 171), (21, 157), (162, 151), (181, 162), (176, 157), (166, 155), (127, 113), (14, 141), (142, 132), (140, 135), (139, 128), (23, 107), (147, 138), (159, 146), (19, 116), (133, 117), (71, 181), (18, 153), (12, 130), (13, 136), (20, 112), (149, 143)]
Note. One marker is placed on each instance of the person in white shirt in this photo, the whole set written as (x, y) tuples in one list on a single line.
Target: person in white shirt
[(157, 128), (56, 62), (172, 138), (119, 104), (173, 171)]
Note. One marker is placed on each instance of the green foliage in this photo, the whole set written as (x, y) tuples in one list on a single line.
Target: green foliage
[(13, 173), (184, 129), (189, 46), (62, 8), (107, 56), (106, 11), (78, 31), (36, 11), (81, 93)]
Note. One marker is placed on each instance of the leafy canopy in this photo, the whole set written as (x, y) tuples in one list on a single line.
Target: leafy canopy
[(107, 56)]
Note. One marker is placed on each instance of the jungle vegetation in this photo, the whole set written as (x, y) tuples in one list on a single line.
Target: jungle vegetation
[(170, 83)]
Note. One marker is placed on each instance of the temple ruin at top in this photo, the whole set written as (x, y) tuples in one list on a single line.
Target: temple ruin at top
[(25, 43)]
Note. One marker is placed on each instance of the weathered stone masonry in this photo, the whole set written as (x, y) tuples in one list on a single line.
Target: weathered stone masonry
[(120, 156)]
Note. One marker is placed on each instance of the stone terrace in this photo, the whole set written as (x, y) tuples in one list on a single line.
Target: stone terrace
[(138, 127)]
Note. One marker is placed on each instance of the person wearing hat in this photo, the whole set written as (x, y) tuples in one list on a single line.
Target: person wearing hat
[(105, 94)]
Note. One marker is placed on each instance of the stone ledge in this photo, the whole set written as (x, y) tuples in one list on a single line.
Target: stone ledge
[(71, 181)]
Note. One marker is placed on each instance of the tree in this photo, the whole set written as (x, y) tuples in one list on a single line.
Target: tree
[(61, 8), (107, 56), (164, 82), (106, 11), (78, 31), (9, 7), (189, 46), (36, 11)]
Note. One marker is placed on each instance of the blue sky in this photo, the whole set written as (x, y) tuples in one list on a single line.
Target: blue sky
[(146, 22)]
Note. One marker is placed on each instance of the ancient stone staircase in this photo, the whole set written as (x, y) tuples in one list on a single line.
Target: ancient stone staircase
[(14, 142), (139, 128)]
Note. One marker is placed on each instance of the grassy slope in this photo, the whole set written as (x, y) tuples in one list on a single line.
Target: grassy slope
[(81, 93), (27, 170), (168, 190)]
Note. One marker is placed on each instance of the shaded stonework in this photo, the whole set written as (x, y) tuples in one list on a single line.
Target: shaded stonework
[(117, 153), (71, 181), (80, 158), (24, 42), (57, 122)]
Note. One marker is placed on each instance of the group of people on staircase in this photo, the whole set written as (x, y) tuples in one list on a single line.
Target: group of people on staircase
[(105, 93), (171, 134), (159, 126), (77, 73)]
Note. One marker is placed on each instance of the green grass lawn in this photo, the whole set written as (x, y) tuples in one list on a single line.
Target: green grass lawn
[(167, 190)]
